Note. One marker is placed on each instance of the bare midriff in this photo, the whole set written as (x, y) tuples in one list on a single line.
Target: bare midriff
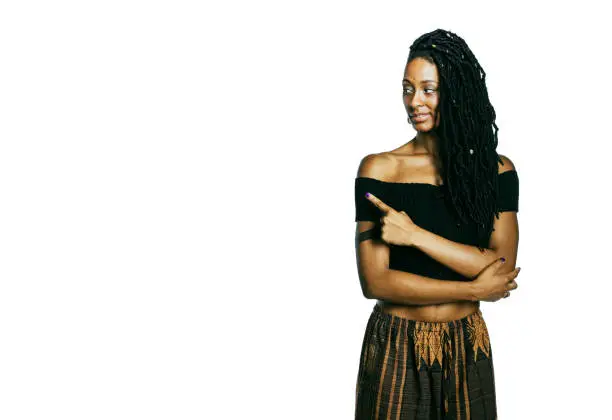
[(431, 313)]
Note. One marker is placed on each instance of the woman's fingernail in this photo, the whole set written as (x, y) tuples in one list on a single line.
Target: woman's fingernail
[(503, 259), (367, 195)]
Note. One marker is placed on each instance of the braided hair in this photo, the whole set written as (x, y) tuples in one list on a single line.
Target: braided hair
[(467, 134)]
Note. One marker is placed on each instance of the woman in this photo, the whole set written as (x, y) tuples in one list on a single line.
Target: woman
[(437, 233)]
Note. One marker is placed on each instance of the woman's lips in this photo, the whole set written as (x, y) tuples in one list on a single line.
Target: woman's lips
[(419, 118)]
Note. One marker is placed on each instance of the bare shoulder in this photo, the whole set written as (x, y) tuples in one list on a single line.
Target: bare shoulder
[(506, 165), (377, 166)]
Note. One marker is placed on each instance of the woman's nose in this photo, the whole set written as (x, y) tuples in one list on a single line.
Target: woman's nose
[(416, 101)]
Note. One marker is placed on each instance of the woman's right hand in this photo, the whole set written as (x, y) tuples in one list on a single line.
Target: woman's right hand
[(491, 286)]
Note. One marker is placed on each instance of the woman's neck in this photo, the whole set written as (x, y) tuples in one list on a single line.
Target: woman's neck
[(425, 143)]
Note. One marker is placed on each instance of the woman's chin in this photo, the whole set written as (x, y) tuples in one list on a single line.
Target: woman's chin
[(422, 128)]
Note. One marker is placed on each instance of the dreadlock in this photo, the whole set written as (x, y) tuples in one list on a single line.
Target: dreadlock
[(467, 134)]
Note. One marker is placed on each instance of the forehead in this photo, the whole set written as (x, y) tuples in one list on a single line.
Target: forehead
[(419, 70)]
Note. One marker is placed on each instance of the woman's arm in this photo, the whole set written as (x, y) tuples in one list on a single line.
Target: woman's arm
[(469, 260), (378, 281), (466, 260), (412, 289)]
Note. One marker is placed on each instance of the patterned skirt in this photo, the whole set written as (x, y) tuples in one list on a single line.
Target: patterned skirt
[(411, 370)]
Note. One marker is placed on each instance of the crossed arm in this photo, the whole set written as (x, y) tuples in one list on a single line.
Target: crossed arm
[(380, 282), (468, 260), (403, 287)]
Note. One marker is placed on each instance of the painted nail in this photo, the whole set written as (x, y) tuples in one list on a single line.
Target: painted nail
[(368, 195), (503, 259)]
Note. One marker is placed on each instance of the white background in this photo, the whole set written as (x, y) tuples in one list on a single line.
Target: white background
[(177, 210)]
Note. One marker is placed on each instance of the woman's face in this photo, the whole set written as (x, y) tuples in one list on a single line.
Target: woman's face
[(420, 92)]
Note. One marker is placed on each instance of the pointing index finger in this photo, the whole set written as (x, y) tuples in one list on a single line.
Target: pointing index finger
[(378, 203)]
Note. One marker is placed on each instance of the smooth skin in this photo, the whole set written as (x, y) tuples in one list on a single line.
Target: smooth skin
[(418, 297)]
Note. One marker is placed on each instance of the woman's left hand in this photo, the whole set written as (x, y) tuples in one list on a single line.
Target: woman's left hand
[(397, 228)]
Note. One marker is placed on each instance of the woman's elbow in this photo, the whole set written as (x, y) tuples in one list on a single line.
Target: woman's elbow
[(367, 289), (371, 286), (509, 260)]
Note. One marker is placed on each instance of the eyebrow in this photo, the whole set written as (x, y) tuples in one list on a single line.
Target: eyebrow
[(423, 81)]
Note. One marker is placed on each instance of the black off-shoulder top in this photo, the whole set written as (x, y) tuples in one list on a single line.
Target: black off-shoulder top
[(426, 206)]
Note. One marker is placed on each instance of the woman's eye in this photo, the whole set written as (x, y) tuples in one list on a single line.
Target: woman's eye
[(410, 91)]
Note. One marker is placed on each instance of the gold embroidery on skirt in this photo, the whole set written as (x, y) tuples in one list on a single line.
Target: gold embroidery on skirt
[(478, 334), (430, 341)]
